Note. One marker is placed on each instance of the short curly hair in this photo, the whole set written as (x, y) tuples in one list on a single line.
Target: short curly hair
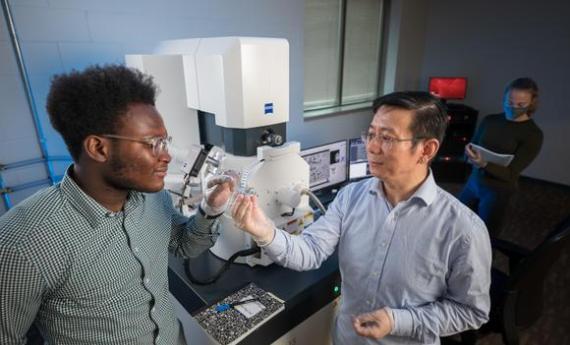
[(90, 102)]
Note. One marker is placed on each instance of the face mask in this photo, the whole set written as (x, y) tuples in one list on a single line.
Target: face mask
[(513, 112)]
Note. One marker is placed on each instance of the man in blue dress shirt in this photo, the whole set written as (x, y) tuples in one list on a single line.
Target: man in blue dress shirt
[(415, 262)]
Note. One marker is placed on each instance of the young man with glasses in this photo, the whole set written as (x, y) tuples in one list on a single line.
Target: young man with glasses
[(415, 262), (86, 260)]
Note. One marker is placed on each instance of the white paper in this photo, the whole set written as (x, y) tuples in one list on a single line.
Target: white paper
[(492, 157), (249, 309)]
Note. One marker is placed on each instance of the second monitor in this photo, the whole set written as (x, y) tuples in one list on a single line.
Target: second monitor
[(358, 164), (327, 165)]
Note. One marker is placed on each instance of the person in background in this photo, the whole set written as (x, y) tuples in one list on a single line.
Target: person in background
[(415, 262), (86, 260), (490, 186)]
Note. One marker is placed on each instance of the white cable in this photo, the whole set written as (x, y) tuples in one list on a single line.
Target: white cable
[(316, 200)]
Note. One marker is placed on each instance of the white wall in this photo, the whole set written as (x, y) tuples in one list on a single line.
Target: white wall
[(60, 35), (490, 42), (493, 42)]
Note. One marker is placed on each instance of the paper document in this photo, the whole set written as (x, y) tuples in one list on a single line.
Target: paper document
[(492, 157), (250, 309)]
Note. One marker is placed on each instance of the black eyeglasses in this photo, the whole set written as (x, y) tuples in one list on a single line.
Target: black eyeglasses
[(157, 144)]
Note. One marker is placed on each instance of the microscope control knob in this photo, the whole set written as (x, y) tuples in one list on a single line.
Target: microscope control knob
[(269, 137), (277, 139)]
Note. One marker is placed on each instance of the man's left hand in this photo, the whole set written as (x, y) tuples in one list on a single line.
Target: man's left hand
[(375, 325)]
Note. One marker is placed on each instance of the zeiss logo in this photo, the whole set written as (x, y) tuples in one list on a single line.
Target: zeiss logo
[(268, 108)]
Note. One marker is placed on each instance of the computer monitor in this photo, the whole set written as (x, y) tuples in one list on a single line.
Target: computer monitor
[(357, 161), (327, 165), (448, 87)]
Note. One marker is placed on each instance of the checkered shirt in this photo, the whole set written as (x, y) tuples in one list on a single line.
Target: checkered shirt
[(86, 275)]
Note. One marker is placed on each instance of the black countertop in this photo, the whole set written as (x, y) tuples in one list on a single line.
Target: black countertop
[(304, 293)]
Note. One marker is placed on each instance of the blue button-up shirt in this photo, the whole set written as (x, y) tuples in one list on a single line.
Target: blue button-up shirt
[(427, 258)]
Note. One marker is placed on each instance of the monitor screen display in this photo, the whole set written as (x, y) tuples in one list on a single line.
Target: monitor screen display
[(327, 165), (448, 87), (358, 162)]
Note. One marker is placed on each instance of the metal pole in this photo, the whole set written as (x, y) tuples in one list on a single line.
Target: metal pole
[(27, 162), (27, 85)]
